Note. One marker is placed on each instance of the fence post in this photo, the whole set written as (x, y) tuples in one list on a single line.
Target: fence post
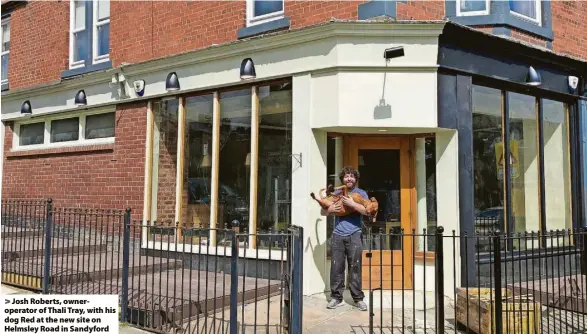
[(125, 264), (234, 284), (497, 279), (439, 259), (583, 240), (47, 253), (296, 280)]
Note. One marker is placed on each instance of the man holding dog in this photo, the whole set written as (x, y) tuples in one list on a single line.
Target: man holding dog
[(347, 243)]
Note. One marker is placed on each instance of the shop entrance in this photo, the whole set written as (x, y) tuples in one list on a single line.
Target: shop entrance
[(386, 174)]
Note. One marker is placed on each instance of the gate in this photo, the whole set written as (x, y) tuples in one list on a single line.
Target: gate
[(168, 277)]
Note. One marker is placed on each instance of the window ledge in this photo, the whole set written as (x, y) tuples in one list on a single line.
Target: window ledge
[(60, 150), (86, 69), (282, 23)]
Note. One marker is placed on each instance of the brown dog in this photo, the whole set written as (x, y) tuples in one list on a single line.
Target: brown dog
[(325, 201)]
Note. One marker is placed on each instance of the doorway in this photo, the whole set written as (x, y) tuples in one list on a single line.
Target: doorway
[(386, 174)]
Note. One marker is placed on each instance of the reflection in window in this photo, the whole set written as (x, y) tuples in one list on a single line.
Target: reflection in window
[(100, 126), (426, 191), (234, 159), (198, 165), (488, 171), (64, 130), (524, 163), (556, 165), (473, 6), (275, 161), (32, 134), (264, 7), (526, 8), (165, 160)]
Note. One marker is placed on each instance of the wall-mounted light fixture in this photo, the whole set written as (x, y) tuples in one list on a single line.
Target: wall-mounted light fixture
[(395, 52), (172, 82), (26, 108), (533, 77), (80, 98), (248, 69)]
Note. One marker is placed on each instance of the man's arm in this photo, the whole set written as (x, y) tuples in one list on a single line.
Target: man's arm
[(334, 207), (348, 201)]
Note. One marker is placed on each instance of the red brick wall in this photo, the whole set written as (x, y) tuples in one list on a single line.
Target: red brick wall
[(305, 13), (522, 36), (420, 10), (39, 43), (569, 26), (108, 179), (173, 27)]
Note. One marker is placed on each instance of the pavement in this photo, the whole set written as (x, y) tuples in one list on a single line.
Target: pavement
[(317, 319)]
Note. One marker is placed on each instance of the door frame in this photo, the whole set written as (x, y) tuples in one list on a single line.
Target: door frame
[(405, 144)]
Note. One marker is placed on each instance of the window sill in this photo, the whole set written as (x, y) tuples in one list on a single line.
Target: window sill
[(282, 23), (60, 150), (86, 69)]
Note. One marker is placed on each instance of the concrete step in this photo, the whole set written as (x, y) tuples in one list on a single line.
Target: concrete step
[(72, 268), (18, 248)]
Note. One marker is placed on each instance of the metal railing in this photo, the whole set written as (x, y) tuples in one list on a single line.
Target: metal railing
[(167, 276), (519, 283)]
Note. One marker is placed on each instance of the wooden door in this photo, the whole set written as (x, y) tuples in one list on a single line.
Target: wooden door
[(384, 165)]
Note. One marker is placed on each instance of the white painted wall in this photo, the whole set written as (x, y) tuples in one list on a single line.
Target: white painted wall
[(375, 99), (447, 201), (306, 179)]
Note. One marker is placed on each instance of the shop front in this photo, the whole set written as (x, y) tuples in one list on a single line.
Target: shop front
[(424, 126)]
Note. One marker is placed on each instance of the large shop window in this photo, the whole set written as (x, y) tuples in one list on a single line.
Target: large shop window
[(236, 160), (535, 125)]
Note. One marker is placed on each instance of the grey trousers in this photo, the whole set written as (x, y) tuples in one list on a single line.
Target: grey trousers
[(346, 249)]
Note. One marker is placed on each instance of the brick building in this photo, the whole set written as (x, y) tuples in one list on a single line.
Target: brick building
[(419, 95)]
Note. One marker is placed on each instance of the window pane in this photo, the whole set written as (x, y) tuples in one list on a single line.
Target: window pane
[(472, 5), (5, 67), (64, 130), (198, 165), (80, 46), (104, 39), (488, 174), (103, 10), (80, 15), (5, 37), (264, 7), (275, 162), (524, 163), (235, 159), (100, 126), (426, 190), (32, 134), (524, 7), (556, 165)]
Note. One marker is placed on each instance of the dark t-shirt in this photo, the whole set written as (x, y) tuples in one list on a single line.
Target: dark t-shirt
[(347, 225)]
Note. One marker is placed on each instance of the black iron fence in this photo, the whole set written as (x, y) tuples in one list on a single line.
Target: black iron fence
[(516, 283), (168, 277)]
